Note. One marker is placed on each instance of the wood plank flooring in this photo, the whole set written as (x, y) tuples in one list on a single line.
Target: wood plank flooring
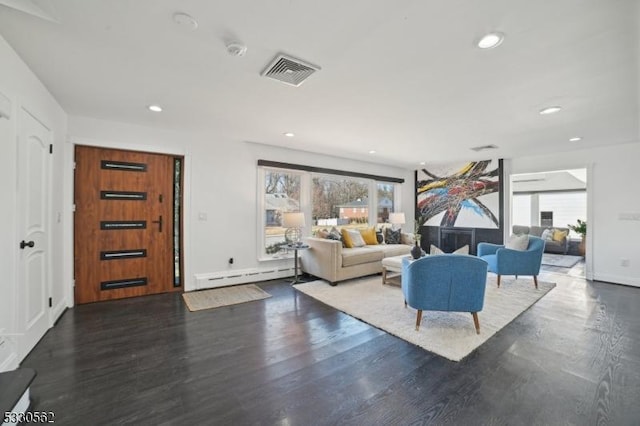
[(573, 358)]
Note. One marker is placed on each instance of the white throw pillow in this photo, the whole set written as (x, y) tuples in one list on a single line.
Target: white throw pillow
[(407, 239), (547, 235), (356, 238), (435, 250), (462, 250), (518, 242)]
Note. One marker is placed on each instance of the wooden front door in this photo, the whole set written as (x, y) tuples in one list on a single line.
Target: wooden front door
[(124, 224)]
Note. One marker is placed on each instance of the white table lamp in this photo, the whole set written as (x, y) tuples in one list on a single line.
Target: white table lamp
[(293, 221), (396, 219)]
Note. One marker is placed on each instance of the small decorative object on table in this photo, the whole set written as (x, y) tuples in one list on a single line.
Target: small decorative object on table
[(416, 251)]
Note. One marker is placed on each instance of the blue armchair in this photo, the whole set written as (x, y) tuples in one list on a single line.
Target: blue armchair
[(504, 261), (445, 282)]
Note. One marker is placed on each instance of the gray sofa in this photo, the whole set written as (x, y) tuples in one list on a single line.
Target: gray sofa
[(550, 246), (327, 259)]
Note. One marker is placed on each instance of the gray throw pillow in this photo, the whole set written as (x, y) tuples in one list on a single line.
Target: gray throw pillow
[(392, 237), (335, 234), (518, 242)]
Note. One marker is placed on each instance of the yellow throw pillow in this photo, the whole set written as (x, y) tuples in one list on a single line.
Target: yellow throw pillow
[(559, 235), (346, 238), (369, 236)]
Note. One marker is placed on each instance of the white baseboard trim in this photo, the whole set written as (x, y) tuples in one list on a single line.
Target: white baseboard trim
[(241, 276), (8, 355), (635, 282), (57, 311)]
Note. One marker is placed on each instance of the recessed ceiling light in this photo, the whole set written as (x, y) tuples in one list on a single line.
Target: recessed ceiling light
[(576, 139), (422, 163), (491, 40), (185, 20), (155, 108), (289, 134), (550, 110), (372, 152)]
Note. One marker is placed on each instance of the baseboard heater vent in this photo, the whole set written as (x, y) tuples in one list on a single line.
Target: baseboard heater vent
[(225, 278)]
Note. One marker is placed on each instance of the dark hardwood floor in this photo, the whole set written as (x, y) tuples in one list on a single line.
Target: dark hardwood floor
[(571, 359)]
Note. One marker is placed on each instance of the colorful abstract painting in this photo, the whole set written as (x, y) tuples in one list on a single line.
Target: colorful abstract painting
[(459, 195)]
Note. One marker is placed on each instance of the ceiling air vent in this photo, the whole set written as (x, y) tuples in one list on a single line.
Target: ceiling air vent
[(484, 148), (289, 70)]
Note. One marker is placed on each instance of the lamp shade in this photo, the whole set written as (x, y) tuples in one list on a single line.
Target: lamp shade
[(293, 219), (396, 218)]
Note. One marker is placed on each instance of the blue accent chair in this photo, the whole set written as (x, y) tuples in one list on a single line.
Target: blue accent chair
[(445, 282), (504, 261)]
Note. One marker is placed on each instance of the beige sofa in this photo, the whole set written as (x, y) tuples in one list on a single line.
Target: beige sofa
[(327, 259)]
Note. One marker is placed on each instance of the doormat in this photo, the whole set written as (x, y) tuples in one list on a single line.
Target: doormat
[(225, 296)]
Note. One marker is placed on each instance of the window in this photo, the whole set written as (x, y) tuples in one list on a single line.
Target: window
[(386, 195), (177, 222), (339, 201), (281, 192), (327, 198), (567, 208)]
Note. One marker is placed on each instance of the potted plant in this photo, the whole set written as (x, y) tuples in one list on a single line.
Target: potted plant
[(580, 228), (416, 231), (416, 251)]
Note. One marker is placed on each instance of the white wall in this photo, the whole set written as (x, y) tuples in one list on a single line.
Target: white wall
[(220, 181), (612, 190), (24, 90)]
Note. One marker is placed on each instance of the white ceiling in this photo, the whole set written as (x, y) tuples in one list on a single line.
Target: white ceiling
[(400, 77)]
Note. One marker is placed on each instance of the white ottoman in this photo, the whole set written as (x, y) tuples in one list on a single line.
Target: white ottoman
[(392, 264)]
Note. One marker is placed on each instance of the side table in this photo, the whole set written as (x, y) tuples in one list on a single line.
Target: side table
[(295, 248)]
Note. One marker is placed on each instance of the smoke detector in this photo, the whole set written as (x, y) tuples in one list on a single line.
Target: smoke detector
[(289, 70), (235, 48)]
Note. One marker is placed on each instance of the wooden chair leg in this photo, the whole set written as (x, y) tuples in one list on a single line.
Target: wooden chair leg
[(498, 281), (384, 275), (535, 281), (418, 319), (516, 277), (476, 322), (405, 303)]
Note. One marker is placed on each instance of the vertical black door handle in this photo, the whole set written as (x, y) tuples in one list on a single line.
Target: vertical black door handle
[(159, 222), (24, 244)]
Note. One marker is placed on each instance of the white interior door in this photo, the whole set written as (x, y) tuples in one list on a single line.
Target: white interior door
[(34, 161)]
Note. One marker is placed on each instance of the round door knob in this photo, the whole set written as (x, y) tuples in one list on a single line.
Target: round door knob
[(24, 244)]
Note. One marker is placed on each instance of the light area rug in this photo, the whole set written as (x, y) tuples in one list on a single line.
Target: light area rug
[(449, 334), (224, 296), (562, 260)]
